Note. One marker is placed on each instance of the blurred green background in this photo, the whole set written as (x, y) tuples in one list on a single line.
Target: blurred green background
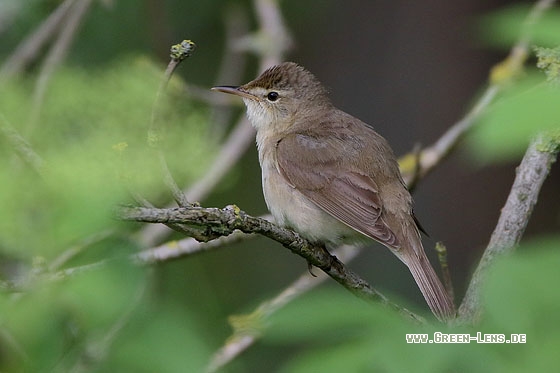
[(409, 69)]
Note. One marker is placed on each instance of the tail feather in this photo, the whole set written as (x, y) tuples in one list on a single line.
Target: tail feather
[(431, 287)]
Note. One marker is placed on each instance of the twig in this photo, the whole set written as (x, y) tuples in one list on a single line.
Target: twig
[(503, 72), (28, 50), (204, 95), (186, 247), (239, 140), (531, 173), (225, 221), (431, 156), (193, 232), (95, 351), (71, 272), (278, 42), (247, 329), (277, 39), (13, 345), (442, 259), (21, 146), (55, 56), (179, 52), (232, 66), (71, 252), (235, 146)]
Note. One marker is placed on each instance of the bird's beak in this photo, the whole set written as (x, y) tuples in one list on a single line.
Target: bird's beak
[(238, 91)]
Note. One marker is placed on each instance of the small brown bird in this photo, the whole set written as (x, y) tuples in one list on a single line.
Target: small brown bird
[(330, 176)]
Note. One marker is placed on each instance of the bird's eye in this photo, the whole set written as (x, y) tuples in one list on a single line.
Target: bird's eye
[(272, 96)]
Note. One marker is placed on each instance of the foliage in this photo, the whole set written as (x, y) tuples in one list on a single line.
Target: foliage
[(526, 108), (68, 325), (332, 332), (91, 132), (85, 115), (92, 136), (505, 26), (527, 105)]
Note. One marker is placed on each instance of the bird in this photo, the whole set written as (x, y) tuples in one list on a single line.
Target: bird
[(330, 177)]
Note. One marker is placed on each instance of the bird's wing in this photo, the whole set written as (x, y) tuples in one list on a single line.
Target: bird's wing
[(309, 164)]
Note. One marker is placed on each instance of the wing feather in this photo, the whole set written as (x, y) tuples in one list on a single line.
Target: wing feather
[(309, 164)]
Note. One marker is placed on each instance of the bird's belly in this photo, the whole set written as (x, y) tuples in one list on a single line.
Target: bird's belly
[(292, 209)]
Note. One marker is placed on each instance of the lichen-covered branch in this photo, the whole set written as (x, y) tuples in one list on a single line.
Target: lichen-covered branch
[(223, 222)]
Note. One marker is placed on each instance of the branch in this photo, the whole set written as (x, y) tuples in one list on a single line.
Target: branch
[(225, 221), (416, 166), (531, 173), (186, 247)]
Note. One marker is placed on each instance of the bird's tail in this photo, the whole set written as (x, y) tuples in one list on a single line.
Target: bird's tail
[(427, 280)]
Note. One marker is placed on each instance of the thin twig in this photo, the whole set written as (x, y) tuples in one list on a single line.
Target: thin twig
[(95, 351), (431, 156), (235, 146), (531, 173), (75, 250), (179, 52), (21, 146), (204, 95), (74, 271), (232, 66), (55, 56), (444, 265), (192, 232), (186, 247), (11, 344), (503, 72), (29, 49), (276, 39)]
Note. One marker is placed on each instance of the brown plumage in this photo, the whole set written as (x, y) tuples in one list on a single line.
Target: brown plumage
[(330, 176)]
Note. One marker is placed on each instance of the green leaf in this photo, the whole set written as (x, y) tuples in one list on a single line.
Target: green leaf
[(331, 332), (159, 339), (53, 316), (520, 297), (504, 27), (525, 109), (314, 316), (85, 116)]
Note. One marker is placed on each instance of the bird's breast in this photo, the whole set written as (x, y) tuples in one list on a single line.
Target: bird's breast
[(292, 209)]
